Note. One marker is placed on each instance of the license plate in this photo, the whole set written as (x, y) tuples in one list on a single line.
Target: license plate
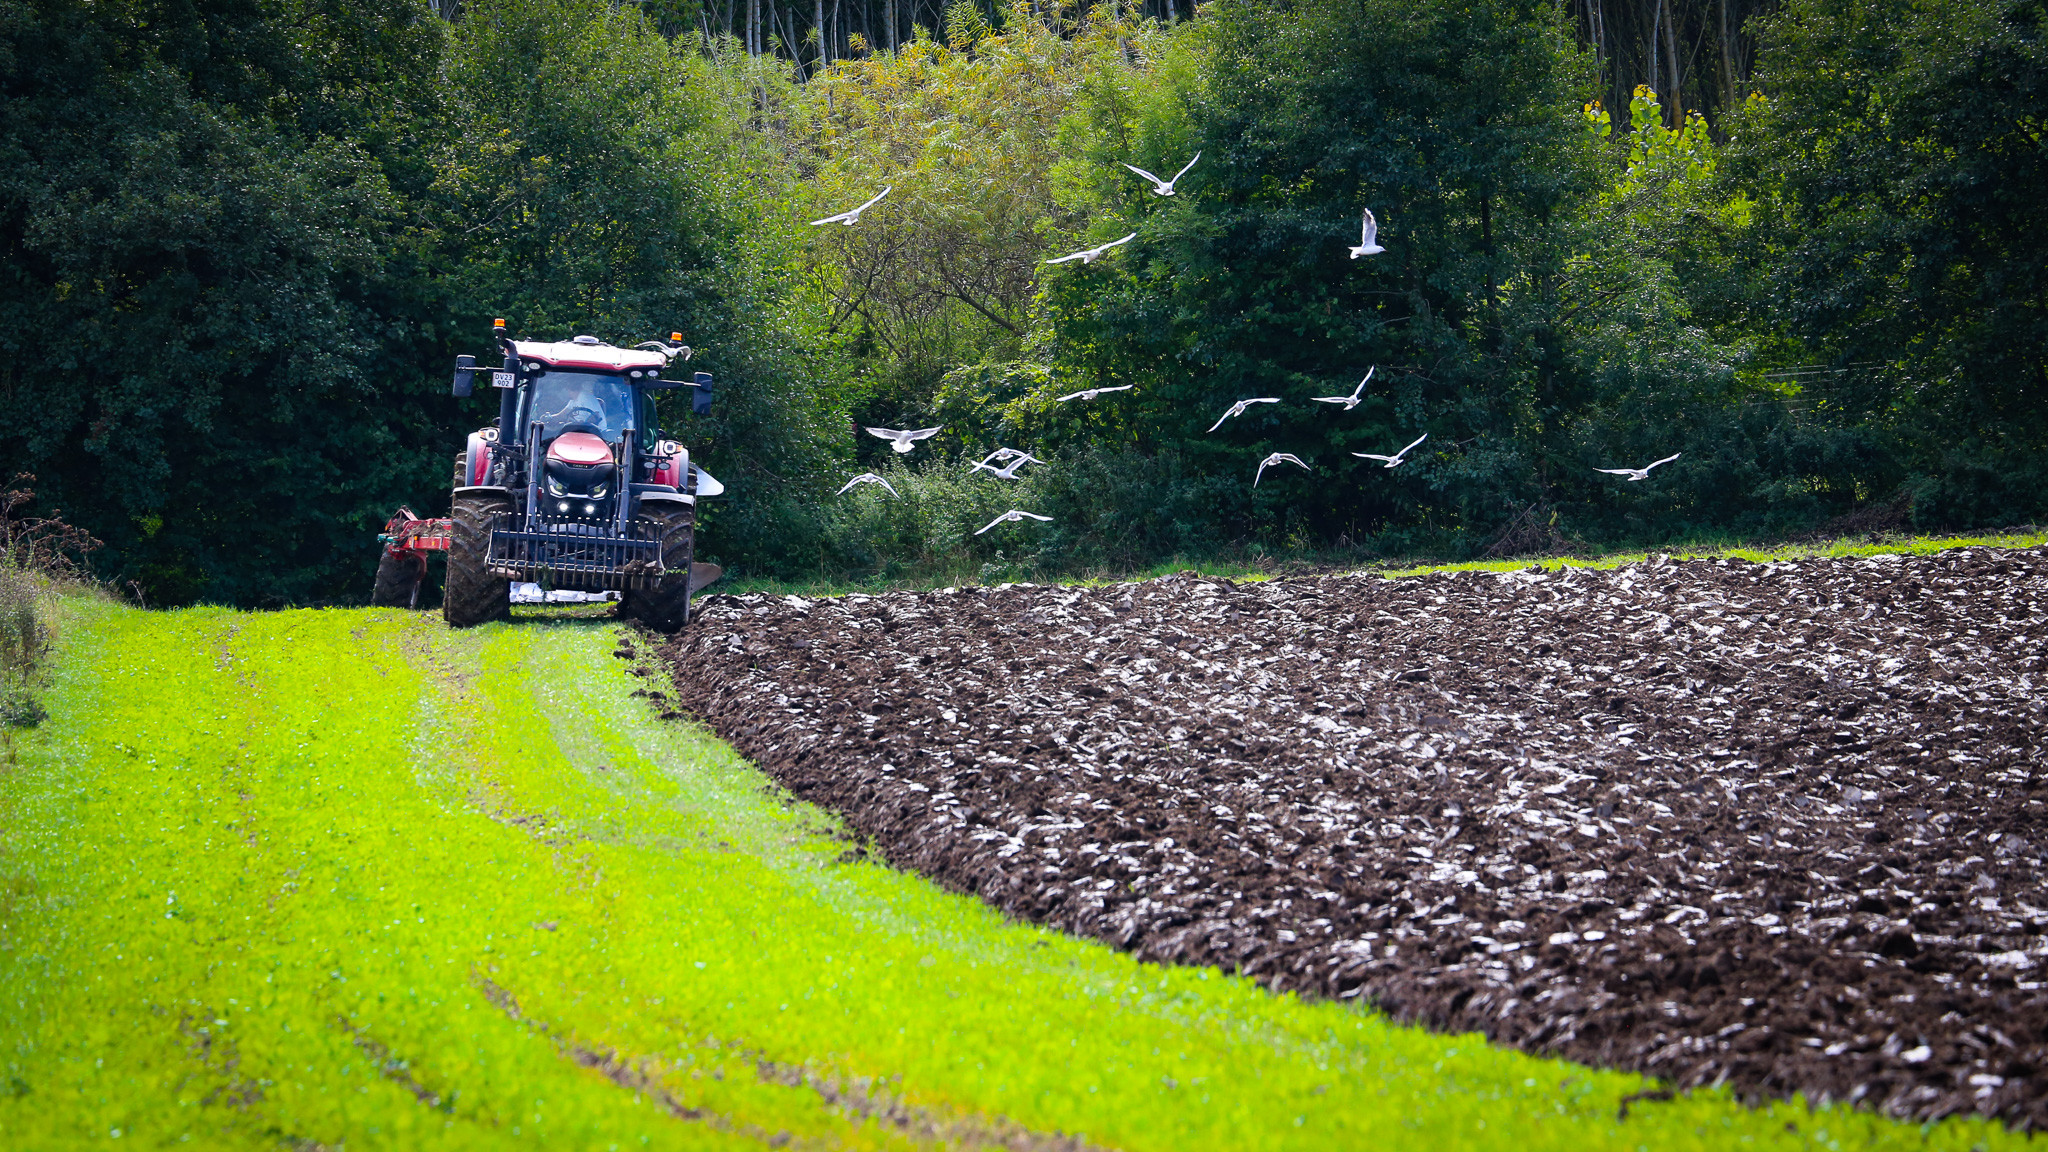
[(502, 380)]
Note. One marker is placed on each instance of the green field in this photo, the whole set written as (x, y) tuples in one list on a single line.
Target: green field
[(344, 879)]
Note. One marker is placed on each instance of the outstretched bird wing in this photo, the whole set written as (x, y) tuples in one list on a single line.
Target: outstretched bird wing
[(1369, 231), (925, 433), (1377, 456), (1234, 410), (1666, 460), (1617, 471), (1355, 392), (1074, 256), (1083, 394), (1418, 440), (1146, 175), (885, 433), (831, 219), (1184, 171), (876, 200), (994, 522)]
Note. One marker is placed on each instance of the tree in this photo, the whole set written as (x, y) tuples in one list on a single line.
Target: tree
[(1458, 127), (198, 292), (1897, 163)]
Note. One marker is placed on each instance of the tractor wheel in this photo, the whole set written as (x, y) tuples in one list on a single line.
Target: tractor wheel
[(461, 470), (666, 606), (400, 577), (472, 595)]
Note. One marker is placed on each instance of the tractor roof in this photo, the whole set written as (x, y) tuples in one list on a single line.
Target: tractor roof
[(586, 352)]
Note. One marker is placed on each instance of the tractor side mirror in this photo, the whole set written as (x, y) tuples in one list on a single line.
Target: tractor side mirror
[(465, 374), (700, 403)]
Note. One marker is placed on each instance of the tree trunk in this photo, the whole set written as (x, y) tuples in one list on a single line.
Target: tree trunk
[(1727, 63), (1653, 79), (1677, 104), (818, 26)]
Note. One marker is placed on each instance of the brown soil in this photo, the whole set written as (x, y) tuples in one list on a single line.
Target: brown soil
[(1778, 826)]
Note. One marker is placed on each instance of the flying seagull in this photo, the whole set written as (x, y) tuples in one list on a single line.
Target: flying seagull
[(672, 351), (1091, 255), (1008, 471), (1163, 187), (1369, 238), (1351, 401), (1276, 458), (851, 216), (1092, 393), (1238, 408), (1393, 461), (1012, 514), (1642, 473), (1002, 454), (869, 478), (900, 441)]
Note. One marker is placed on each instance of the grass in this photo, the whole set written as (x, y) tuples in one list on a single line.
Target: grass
[(1264, 567), (324, 879)]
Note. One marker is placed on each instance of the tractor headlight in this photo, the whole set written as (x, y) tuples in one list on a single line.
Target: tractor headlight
[(555, 487), (590, 509), (598, 492)]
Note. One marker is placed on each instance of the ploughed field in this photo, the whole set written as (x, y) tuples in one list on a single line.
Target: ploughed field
[(1778, 826)]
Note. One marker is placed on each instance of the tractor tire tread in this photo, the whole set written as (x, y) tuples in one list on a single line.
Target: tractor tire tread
[(400, 580), (471, 595), (666, 606)]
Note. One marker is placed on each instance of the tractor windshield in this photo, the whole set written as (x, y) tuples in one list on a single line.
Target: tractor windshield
[(593, 402)]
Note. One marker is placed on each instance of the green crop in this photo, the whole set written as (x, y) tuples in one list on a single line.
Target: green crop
[(343, 878)]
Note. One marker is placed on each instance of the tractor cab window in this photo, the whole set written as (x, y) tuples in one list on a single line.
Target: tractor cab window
[(593, 402)]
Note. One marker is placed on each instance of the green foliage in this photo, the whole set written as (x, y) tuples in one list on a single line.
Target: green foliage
[(1897, 162), (1452, 125), (243, 238), (967, 133), (246, 240), (194, 213), (491, 902), (1112, 511), (614, 186), (24, 639)]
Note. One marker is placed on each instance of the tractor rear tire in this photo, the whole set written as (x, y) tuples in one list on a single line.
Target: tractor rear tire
[(666, 606), (472, 595), (400, 578)]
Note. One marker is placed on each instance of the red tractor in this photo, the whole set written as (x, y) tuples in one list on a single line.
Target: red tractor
[(571, 487)]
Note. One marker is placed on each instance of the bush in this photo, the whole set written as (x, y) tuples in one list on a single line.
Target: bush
[(34, 551)]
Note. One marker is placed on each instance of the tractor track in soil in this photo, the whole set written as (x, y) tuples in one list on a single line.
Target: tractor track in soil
[(1778, 826)]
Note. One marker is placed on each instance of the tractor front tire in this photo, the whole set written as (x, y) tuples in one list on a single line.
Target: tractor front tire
[(472, 595), (400, 578), (666, 606)]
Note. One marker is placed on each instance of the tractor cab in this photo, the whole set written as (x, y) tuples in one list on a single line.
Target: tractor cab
[(578, 400)]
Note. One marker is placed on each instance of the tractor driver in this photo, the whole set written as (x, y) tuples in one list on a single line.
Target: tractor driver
[(575, 400)]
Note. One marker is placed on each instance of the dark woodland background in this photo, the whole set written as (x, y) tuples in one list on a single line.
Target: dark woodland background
[(242, 240)]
